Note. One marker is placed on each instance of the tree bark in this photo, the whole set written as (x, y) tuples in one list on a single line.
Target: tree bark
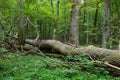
[(106, 25), (96, 15), (57, 7), (75, 22), (20, 25), (119, 45), (54, 19), (112, 56)]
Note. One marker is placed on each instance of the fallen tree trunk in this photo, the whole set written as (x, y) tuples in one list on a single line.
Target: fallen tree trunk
[(112, 56)]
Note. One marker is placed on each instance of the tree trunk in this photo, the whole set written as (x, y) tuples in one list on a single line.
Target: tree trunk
[(54, 20), (95, 23), (20, 26), (0, 27), (106, 25), (112, 56), (57, 7), (65, 22), (119, 45), (96, 14), (75, 22)]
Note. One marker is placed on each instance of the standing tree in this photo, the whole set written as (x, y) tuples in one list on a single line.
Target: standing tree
[(119, 45), (106, 25), (20, 23), (57, 13), (75, 22), (57, 7), (53, 14)]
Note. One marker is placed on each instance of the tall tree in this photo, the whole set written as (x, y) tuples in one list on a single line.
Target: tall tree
[(53, 14), (96, 21), (57, 7), (106, 25), (20, 23), (75, 22), (57, 13), (96, 14)]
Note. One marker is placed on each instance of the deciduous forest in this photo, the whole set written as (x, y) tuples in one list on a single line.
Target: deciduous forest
[(59, 39)]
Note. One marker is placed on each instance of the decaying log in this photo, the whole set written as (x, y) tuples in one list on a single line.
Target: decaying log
[(112, 56)]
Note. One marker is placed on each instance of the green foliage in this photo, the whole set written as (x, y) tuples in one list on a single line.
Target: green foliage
[(32, 67), (86, 64), (3, 50), (40, 14), (38, 19), (1, 38)]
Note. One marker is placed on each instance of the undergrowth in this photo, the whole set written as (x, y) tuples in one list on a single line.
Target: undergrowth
[(14, 66)]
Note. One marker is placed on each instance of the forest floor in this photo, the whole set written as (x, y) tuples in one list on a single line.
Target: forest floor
[(16, 66)]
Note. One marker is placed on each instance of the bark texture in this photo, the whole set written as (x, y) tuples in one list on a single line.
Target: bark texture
[(75, 22), (106, 25), (112, 56), (20, 23)]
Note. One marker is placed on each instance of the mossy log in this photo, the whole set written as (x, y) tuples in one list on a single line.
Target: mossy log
[(112, 56)]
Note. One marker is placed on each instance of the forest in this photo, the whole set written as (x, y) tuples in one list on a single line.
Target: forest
[(59, 39)]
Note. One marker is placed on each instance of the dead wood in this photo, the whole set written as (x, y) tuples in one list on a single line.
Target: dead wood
[(111, 56)]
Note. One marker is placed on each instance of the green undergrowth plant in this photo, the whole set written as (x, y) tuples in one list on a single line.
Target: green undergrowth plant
[(86, 64), (3, 50), (15, 66)]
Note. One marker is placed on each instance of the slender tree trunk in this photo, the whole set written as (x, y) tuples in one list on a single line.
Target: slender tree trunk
[(84, 13), (75, 22), (58, 6), (119, 45), (20, 25), (87, 34), (1, 25), (95, 22), (106, 25), (53, 14), (57, 14), (85, 21), (65, 22), (96, 15)]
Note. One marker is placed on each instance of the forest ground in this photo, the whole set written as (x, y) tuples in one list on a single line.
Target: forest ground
[(17, 66)]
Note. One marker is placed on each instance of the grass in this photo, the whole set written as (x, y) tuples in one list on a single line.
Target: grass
[(14, 66)]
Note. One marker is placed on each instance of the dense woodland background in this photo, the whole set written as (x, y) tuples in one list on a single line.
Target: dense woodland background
[(81, 22), (59, 39)]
